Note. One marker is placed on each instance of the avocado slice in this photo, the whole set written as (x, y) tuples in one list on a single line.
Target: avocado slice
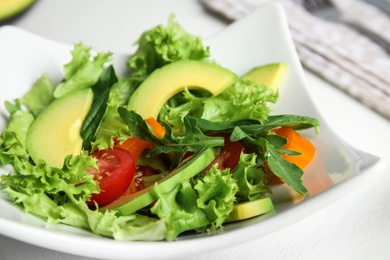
[(128, 204), (249, 209), (9, 8), (173, 78), (55, 133), (270, 74)]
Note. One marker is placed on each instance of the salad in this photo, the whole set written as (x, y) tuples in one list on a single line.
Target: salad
[(179, 144)]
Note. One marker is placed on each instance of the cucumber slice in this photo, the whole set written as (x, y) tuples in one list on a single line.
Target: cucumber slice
[(249, 209)]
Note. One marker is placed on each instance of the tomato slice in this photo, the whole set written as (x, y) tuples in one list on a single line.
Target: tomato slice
[(137, 184), (229, 155), (116, 171)]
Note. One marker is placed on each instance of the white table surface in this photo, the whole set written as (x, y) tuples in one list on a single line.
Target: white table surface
[(355, 227)]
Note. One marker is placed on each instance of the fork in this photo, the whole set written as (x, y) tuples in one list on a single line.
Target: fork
[(325, 9)]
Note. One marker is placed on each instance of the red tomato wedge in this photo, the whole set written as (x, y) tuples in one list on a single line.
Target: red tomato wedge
[(116, 171), (229, 155)]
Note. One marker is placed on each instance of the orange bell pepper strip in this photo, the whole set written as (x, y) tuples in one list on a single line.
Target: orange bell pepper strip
[(136, 146), (297, 143), (158, 129)]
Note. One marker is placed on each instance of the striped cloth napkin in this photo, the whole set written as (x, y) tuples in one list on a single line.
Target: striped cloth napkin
[(335, 52)]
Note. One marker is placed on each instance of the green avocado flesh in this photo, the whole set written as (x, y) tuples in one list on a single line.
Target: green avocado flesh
[(9, 8), (270, 75), (249, 209), (56, 131), (173, 78), (128, 204)]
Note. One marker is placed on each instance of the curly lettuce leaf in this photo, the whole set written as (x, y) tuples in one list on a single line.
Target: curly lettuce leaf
[(201, 204), (13, 139), (217, 190), (40, 178), (40, 95), (251, 178), (162, 45), (41, 189), (83, 70), (59, 195), (244, 100)]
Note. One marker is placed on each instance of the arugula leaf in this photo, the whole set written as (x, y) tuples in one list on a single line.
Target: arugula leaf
[(193, 141), (241, 129), (112, 126), (101, 91), (270, 145), (290, 173)]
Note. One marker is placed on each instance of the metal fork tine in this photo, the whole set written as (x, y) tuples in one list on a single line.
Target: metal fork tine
[(312, 5), (327, 10)]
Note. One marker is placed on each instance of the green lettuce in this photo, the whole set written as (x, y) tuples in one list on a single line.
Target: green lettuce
[(83, 70), (244, 100), (59, 195), (200, 204), (162, 45), (40, 95), (251, 179), (101, 93), (112, 126), (13, 139)]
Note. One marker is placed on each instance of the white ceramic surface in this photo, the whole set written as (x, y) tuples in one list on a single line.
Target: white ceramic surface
[(23, 57)]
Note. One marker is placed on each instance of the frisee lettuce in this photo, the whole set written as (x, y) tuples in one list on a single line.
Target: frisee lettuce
[(162, 45), (247, 99), (39, 96), (251, 179), (83, 70), (13, 139), (201, 204)]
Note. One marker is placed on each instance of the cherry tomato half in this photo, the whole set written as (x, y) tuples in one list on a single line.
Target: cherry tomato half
[(229, 155), (116, 171)]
